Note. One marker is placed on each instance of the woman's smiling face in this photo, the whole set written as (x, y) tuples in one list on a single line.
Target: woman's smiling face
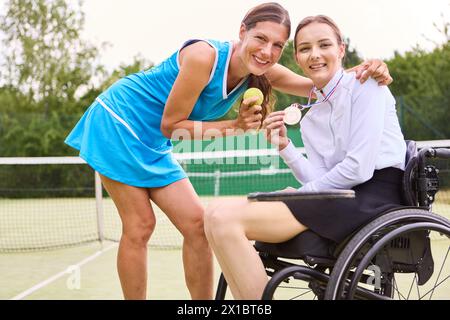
[(319, 53), (262, 46)]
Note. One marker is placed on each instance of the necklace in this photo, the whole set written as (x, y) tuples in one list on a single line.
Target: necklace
[(293, 113)]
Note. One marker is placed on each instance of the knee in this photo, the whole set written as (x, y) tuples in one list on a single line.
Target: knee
[(212, 213), (138, 233), (193, 227), (219, 219)]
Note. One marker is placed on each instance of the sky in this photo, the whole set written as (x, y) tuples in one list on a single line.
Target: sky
[(156, 28)]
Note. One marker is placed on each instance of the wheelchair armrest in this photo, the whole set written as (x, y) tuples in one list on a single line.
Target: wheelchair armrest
[(299, 195), (442, 153)]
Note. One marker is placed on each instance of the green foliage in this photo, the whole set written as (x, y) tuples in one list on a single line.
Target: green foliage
[(46, 66), (48, 69), (34, 134), (352, 57), (45, 56), (421, 84), (288, 60)]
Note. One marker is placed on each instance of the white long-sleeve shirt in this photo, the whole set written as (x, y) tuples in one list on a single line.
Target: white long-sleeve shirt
[(348, 137)]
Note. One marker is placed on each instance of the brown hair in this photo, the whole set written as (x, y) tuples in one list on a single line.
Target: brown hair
[(274, 12), (319, 19)]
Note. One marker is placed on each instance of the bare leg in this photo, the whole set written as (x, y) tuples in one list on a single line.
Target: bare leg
[(222, 262), (251, 258), (183, 207), (230, 224), (138, 223)]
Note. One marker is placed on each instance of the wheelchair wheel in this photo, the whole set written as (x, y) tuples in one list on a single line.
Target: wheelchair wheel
[(290, 282), (296, 282), (404, 254)]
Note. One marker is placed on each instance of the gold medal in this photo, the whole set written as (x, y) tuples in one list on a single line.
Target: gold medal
[(292, 115)]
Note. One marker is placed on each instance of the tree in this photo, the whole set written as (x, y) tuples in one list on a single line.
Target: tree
[(47, 66), (45, 58), (421, 82)]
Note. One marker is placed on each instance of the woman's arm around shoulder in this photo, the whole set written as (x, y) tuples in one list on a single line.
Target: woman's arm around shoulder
[(287, 81)]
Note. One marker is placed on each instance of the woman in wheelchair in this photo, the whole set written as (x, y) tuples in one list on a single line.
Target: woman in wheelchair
[(353, 141)]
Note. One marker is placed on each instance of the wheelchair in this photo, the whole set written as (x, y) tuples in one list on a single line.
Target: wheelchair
[(402, 254)]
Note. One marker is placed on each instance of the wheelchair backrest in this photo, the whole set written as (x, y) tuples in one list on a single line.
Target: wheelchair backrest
[(420, 181), (410, 176), (411, 150)]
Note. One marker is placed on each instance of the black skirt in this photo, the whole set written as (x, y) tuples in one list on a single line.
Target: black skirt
[(336, 219)]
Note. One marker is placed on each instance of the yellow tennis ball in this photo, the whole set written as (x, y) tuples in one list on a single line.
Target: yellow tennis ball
[(254, 92)]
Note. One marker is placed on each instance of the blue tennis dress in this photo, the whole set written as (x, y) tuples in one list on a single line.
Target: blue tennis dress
[(119, 134)]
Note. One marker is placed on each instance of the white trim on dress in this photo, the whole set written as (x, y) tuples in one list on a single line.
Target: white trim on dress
[(117, 117)]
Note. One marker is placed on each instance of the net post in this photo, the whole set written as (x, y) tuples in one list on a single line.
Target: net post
[(99, 206)]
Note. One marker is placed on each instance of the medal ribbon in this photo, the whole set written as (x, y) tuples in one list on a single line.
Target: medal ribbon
[(328, 96)]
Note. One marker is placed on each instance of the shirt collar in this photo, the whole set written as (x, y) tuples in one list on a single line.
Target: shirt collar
[(321, 94)]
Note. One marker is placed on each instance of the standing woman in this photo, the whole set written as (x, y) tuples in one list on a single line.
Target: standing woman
[(353, 141), (125, 135)]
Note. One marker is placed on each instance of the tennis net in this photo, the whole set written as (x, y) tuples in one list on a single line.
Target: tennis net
[(48, 203), (57, 202)]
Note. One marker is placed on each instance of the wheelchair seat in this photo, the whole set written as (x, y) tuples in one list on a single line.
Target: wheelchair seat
[(308, 246)]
